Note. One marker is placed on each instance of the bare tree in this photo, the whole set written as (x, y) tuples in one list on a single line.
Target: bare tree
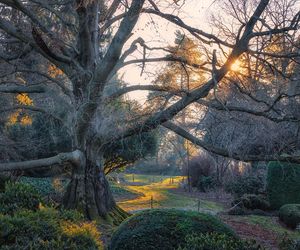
[(70, 35)]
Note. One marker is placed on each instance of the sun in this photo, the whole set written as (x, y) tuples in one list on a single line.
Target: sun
[(236, 66)]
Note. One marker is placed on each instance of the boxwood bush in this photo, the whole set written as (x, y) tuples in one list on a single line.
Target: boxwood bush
[(289, 214), (283, 185), (48, 229), (164, 229)]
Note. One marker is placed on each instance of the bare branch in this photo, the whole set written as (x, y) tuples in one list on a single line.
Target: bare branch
[(223, 152)]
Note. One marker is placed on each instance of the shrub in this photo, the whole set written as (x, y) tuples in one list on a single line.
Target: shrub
[(289, 214), (253, 201), (18, 196), (237, 210), (202, 165), (215, 241), (164, 229), (51, 189), (206, 183), (3, 180), (47, 229), (287, 243), (245, 184), (283, 185), (42, 185)]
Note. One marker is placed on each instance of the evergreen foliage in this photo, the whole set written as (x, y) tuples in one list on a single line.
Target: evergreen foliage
[(283, 185)]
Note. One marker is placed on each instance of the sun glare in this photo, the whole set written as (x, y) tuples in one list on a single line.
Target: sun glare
[(236, 66)]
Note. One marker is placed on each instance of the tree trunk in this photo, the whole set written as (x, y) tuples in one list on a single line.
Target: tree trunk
[(89, 192)]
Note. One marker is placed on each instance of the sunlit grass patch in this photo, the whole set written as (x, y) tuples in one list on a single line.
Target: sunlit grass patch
[(143, 179), (157, 195)]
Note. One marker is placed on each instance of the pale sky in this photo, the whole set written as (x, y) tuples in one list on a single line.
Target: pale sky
[(158, 32)]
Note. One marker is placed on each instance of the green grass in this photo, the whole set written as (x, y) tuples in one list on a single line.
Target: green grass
[(122, 193), (159, 188), (270, 223), (144, 179)]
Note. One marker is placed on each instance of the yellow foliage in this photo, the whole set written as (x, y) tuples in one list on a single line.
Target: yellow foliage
[(87, 228), (58, 185), (26, 120), (17, 117), (24, 99), (53, 71), (13, 118)]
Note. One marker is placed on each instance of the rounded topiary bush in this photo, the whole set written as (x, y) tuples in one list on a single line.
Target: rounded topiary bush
[(18, 196), (48, 229), (164, 229), (289, 214)]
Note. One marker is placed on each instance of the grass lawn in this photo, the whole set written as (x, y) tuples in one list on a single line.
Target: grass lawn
[(271, 223), (158, 188)]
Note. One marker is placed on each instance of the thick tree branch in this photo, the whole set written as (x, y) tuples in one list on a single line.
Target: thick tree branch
[(22, 89), (75, 158), (107, 65)]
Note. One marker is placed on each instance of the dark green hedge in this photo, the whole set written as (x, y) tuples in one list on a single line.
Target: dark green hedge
[(283, 184), (164, 229)]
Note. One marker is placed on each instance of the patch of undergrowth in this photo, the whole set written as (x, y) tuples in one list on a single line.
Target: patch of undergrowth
[(245, 184), (216, 241), (165, 229), (47, 229), (26, 224), (286, 243), (19, 196)]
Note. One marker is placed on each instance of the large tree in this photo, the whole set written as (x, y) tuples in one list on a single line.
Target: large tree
[(71, 36)]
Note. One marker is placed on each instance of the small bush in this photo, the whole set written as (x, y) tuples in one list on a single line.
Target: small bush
[(214, 241), (286, 243), (245, 184), (51, 189), (289, 214), (3, 180), (164, 229), (237, 210), (47, 229), (18, 196), (201, 166), (206, 183), (42, 185), (253, 201), (283, 185)]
